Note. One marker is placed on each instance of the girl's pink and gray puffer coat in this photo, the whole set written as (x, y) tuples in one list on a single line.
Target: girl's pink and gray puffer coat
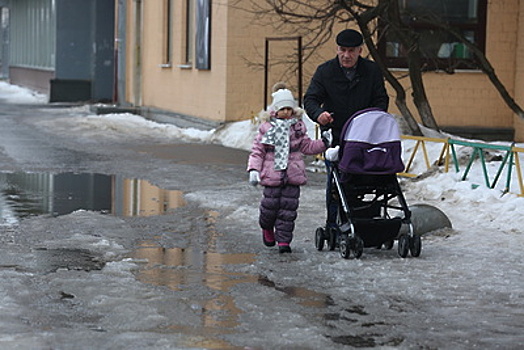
[(262, 157)]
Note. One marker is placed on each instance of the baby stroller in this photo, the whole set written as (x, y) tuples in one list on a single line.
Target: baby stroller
[(364, 191)]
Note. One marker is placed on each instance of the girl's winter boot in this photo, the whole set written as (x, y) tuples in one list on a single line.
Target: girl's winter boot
[(268, 236), (284, 248)]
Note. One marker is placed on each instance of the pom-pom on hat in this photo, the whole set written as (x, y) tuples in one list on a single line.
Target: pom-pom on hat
[(349, 38), (283, 98)]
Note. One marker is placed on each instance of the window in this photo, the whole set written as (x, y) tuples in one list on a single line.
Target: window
[(203, 34), (190, 31), (439, 48), (167, 34), (197, 43)]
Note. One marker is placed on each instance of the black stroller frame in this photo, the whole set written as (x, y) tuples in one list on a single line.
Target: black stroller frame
[(364, 190)]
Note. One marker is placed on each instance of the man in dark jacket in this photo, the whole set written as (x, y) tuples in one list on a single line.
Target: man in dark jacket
[(344, 85), (340, 87)]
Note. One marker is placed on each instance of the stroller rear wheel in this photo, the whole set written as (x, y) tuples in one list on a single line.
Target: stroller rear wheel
[(415, 246), (358, 247), (319, 238)]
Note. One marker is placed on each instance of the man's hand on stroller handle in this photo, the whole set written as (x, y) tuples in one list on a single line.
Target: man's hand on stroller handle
[(325, 118)]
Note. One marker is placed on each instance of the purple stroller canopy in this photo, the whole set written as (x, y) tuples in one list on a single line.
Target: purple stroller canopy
[(371, 126), (370, 144)]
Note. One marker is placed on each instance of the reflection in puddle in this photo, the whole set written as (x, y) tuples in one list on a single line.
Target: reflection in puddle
[(192, 270), (306, 296), (183, 269), (134, 197), (26, 194)]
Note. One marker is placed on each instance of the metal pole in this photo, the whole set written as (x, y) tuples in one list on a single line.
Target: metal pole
[(299, 70), (266, 73), (266, 66)]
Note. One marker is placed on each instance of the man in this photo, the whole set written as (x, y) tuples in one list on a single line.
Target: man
[(340, 87), (344, 85)]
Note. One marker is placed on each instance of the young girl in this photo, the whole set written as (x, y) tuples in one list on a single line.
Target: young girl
[(276, 162)]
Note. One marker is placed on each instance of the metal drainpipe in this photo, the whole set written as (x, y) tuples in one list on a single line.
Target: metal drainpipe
[(4, 41), (137, 71), (120, 54)]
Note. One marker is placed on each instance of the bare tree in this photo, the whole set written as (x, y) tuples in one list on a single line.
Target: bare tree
[(364, 21), (318, 18), (482, 63)]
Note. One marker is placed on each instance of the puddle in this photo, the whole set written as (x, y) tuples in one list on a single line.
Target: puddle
[(26, 194), (193, 270), (183, 269)]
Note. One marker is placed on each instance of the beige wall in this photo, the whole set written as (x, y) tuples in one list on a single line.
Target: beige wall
[(233, 89), (190, 91), (245, 70)]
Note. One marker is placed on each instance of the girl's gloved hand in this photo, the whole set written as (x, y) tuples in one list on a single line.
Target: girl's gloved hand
[(332, 154), (254, 177), (327, 137)]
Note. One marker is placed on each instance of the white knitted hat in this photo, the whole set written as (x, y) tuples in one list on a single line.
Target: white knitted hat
[(283, 98)]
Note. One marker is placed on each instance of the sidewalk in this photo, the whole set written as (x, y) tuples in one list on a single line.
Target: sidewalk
[(157, 115)]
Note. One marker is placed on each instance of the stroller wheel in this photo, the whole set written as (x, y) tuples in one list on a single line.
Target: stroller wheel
[(319, 238), (344, 247), (403, 246), (415, 246), (332, 238), (358, 246)]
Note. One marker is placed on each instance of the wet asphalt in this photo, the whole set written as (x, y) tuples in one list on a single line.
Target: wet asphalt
[(175, 259)]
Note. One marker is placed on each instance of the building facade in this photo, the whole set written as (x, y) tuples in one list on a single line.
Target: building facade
[(205, 59), (64, 48), (211, 61)]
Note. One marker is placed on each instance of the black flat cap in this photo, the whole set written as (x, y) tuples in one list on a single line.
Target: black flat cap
[(349, 38)]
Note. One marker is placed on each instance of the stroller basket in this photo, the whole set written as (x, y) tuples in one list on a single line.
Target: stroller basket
[(375, 232)]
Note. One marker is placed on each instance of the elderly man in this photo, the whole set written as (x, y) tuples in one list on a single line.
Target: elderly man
[(340, 87), (344, 85)]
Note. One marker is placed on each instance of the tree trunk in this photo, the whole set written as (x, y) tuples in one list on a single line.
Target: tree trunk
[(409, 39), (419, 92), (400, 99)]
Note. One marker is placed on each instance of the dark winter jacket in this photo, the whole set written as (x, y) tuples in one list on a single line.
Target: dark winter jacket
[(330, 90), (262, 157)]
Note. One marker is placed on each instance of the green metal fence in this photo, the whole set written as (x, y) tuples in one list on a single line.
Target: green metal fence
[(509, 163)]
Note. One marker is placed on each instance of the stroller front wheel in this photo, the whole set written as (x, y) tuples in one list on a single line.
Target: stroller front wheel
[(347, 245), (344, 247), (403, 246)]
